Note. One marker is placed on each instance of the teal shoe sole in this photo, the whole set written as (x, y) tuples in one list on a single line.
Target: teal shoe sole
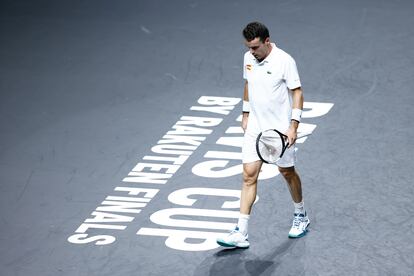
[(301, 235), (298, 236), (229, 245)]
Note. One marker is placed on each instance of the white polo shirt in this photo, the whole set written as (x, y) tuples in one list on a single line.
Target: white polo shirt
[(269, 82)]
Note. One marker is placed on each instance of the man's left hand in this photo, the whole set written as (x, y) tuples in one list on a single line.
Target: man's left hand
[(292, 135)]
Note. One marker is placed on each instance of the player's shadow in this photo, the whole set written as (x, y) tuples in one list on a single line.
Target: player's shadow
[(243, 262)]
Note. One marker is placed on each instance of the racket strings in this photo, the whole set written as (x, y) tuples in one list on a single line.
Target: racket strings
[(270, 146)]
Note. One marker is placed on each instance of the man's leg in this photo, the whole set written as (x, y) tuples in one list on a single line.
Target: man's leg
[(293, 180), (249, 188), (300, 220), (238, 237)]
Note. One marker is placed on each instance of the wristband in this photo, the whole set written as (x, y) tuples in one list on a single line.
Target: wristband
[(246, 106), (296, 114)]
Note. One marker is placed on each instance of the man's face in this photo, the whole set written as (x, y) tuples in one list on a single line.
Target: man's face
[(259, 49)]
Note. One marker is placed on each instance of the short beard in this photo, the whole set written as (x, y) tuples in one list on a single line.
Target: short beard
[(260, 60)]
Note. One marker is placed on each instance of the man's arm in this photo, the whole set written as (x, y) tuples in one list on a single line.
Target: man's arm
[(297, 103), (246, 107)]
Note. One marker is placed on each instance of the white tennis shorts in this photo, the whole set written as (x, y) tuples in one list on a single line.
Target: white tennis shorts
[(249, 153)]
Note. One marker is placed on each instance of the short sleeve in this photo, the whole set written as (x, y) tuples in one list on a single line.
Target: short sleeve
[(291, 74)]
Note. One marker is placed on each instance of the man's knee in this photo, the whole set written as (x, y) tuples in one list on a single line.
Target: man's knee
[(249, 180), (287, 172), (250, 174)]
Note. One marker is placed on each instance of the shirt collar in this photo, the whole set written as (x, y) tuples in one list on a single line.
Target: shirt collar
[(270, 56)]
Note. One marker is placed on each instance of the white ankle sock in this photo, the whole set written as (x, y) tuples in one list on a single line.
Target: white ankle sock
[(299, 207), (243, 223)]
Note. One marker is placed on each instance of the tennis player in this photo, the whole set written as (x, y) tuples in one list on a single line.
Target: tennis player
[(273, 99)]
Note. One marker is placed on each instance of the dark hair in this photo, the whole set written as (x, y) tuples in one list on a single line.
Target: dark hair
[(255, 29)]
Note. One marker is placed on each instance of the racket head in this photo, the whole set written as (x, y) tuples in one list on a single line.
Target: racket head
[(270, 145)]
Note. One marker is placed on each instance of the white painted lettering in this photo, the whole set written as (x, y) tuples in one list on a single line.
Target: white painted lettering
[(172, 149), (170, 169), (214, 109), (140, 177), (179, 160), (148, 193), (176, 139), (187, 130), (163, 217), (223, 155), (85, 226), (209, 169), (121, 206), (102, 217), (222, 101), (83, 238), (177, 238), (126, 198), (313, 109), (181, 197), (230, 141), (199, 121)]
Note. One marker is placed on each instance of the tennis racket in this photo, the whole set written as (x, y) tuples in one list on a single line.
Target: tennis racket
[(271, 144)]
